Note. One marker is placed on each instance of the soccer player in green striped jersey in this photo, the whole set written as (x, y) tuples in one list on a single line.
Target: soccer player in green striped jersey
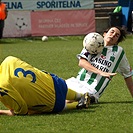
[(25, 89), (97, 70)]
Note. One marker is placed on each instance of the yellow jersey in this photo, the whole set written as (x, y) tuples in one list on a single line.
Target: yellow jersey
[(26, 89)]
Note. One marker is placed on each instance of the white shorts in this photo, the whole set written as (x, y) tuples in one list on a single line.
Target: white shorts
[(80, 86)]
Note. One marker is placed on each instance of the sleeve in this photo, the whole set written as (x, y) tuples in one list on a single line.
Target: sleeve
[(14, 102), (84, 54), (124, 68)]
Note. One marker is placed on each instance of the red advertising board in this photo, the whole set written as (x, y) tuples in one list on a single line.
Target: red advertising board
[(59, 23)]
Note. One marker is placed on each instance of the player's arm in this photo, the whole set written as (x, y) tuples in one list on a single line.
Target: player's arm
[(14, 103), (126, 71), (129, 83), (86, 65), (7, 112)]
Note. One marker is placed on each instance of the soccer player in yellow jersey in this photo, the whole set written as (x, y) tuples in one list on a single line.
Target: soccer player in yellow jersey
[(25, 89)]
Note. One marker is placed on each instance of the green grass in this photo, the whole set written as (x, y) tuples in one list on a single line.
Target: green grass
[(113, 114)]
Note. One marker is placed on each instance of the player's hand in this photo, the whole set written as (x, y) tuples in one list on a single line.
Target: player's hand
[(7, 112), (107, 75)]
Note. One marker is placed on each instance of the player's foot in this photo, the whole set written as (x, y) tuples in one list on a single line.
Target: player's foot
[(93, 100), (84, 102)]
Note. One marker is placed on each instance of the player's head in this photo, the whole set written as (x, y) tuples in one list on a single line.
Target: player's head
[(114, 35)]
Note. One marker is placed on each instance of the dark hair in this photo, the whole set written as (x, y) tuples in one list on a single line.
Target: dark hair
[(122, 33)]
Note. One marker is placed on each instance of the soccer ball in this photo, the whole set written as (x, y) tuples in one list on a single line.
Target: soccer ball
[(44, 38), (93, 43)]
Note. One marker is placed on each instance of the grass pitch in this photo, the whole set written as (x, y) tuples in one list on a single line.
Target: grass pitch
[(113, 113)]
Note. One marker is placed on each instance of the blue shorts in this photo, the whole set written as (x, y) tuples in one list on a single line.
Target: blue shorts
[(60, 93)]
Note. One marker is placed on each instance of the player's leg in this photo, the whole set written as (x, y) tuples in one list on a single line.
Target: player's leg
[(80, 100), (73, 95), (1, 32), (81, 87), (1, 28)]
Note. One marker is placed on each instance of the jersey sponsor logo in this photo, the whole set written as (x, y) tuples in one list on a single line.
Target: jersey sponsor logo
[(101, 63), (104, 69), (103, 57)]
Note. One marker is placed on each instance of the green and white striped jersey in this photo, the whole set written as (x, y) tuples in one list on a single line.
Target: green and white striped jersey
[(111, 59)]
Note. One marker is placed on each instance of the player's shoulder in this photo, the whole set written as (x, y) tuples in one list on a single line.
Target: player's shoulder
[(117, 48), (10, 59), (120, 47)]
